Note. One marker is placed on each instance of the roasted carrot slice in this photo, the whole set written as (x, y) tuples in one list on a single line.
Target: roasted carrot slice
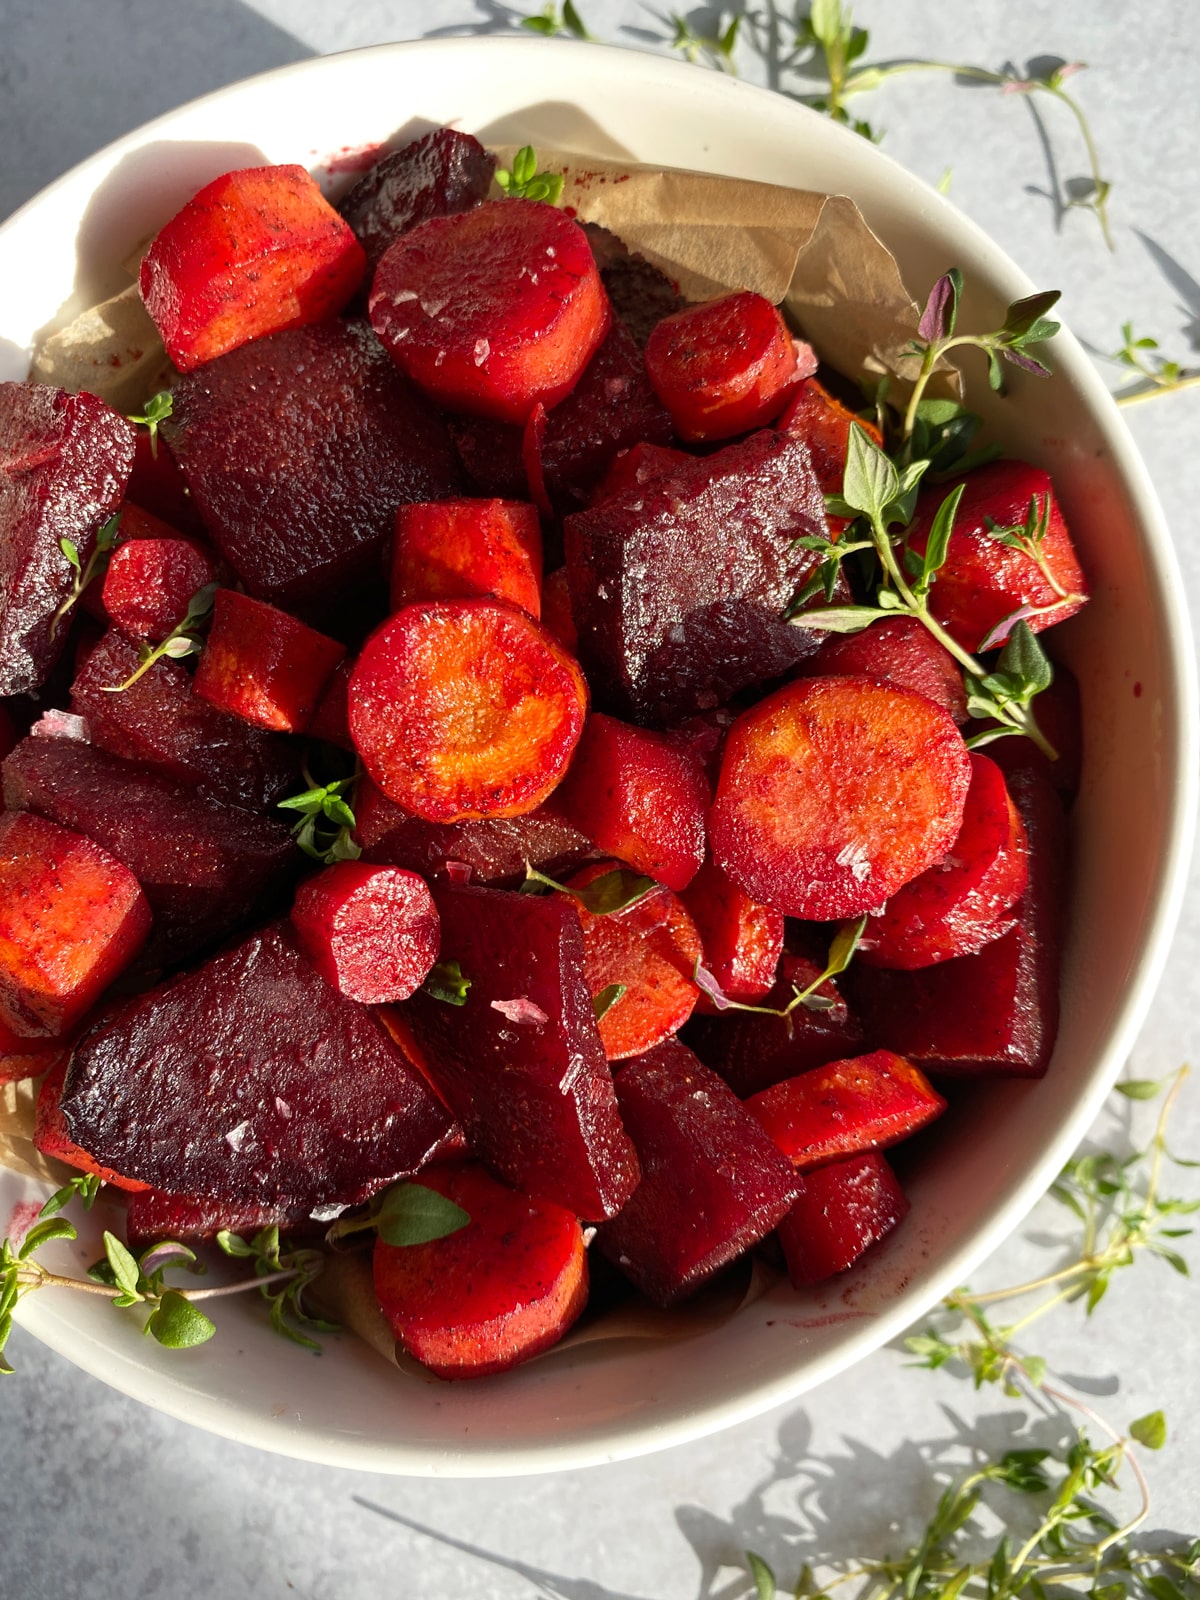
[(503, 1288), (465, 708), (456, 549), (264, 665), (835, 792), (256, 251), (843, 1209), (71, 918), (638, 795), (150, 581), (50, 1135), (865, 1103), (743, 940), (372, 932), (960, 904), (723, 367), (494, 309), (649, 950)]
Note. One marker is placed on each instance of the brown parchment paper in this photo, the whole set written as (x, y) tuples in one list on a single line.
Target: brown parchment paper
[(811, 253)]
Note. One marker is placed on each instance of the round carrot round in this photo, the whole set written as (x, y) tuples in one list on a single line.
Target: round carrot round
[(465, 708), (650, 951), (372, 932), (723, 367), (504, 1287), (834, 792), (491, 310)]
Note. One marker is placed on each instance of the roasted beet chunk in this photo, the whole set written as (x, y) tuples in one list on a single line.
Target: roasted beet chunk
[(435, 176), (251, 1079), (712, 1183), (160, 722), (203, 866), (64, 462), (641, 295), (521, 1061), (678, 586), (298, 449)]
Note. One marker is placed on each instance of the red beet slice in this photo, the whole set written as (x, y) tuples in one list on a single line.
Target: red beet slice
[(372, 932), (71, 919), (641, 294), (535, 1096), (834, 793), (650, 950), (840, 1109), (149, 583), (152, 1215), (712, 1183), (254, 252), (262, 665), (723, 367), (459, 549), (492, 1294), (742, 939), (251, 1079), (160, 723), (961, 903), (994, 1013), (50, 1135), (492, 310), (298, 450), (752, 1051), (843, 1209), (64, 463), (718, 537), (898, 650), (437, 175), (465, 708), (984, 585), (204, 867), (638, 796), (492, 850)]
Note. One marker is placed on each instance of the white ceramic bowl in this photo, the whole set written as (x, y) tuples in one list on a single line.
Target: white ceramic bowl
[(1132, 822)]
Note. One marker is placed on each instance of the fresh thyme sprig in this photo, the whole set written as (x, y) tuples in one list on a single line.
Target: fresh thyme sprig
[(1156, 374), (447, 983), (405, 1214), (157, 409), (282, 1277), (606, 894), (525, 182), (716, 48), (841, 952), (95, 566), (553, 19), (324, 828), (185, 639)]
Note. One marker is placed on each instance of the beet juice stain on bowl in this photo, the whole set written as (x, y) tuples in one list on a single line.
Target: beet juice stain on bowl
[(534, 1418)]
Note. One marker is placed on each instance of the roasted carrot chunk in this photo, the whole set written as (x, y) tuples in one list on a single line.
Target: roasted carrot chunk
[(150, 581), (742, 939), (987, 583), (834, 792), (71, 918), (963, 902), (712, 1183), (494, 309), (263, 665), (866, 1103), (457, 549), (723, 367), (649, 950), (256, 251), (372, 932), (843, 1209), (897, 650), (637, 795), (501, 1289), (50, 1135), (465, 708)]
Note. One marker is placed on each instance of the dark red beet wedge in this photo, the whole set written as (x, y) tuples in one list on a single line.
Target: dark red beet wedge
[(152, 1215), (298, 449), (521, 1061), (161, 723), (640, 293), (251, 1079), (712, 1183), (678, 587), (64, 462)]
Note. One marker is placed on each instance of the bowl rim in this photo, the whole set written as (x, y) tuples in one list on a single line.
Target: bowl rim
[(625, 1440)]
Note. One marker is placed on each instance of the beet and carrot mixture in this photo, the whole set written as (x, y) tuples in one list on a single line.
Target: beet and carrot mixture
[(475, 766)]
